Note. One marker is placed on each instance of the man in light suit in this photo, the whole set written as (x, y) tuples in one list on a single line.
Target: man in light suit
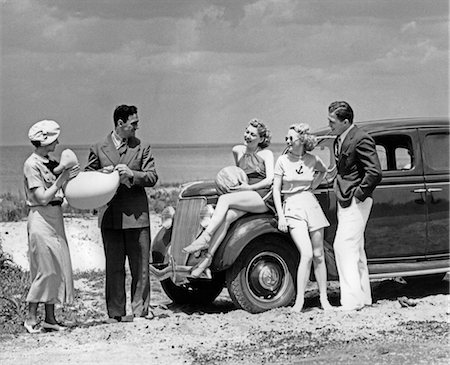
[(125, 223), (358, 173)]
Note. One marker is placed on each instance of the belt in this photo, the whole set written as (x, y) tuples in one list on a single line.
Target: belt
[(55, 202)]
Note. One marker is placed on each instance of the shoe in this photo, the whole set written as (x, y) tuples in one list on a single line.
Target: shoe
[(32, 328), (149, 316), (406, 302), (348, 309), (201, 243), (53, 327), (114, 319), (201, 266)]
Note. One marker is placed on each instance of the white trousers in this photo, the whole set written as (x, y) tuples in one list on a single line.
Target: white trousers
[(351, 258)]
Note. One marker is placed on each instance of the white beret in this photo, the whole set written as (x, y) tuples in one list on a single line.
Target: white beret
[(44, 131)]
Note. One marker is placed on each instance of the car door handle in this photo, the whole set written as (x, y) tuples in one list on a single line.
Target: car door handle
[(432, 190), (420, 191)]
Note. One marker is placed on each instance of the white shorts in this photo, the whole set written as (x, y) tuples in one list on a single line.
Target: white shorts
[(304, 207)]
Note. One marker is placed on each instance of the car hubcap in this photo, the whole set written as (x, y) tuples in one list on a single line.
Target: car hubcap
[(266, 276)]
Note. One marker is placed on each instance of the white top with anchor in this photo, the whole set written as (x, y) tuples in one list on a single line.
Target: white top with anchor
[(298, 173)]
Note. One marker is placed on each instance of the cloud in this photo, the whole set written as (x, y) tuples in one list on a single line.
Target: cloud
[(212, 64)]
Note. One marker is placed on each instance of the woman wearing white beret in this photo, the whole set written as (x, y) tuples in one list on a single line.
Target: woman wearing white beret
[(50, 265)]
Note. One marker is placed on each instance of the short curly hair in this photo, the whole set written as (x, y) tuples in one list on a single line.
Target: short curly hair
[(303, 130), (263, 132)]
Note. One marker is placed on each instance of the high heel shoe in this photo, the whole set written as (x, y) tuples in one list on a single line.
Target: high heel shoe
[(201, 266), (201, 243)]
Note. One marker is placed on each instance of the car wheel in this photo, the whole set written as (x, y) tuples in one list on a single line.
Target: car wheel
[(195, 292), (425, 279), (262, 277)]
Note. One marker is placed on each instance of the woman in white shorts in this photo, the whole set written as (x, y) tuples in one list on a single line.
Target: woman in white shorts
[(297, 174)]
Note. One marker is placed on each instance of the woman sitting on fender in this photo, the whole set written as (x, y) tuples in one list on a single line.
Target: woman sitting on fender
[(257, 162)]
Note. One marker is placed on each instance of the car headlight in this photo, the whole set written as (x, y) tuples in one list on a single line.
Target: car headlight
[(167, 217), (205, 215)]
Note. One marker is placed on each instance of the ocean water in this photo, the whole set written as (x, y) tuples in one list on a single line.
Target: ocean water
[(175, 164)]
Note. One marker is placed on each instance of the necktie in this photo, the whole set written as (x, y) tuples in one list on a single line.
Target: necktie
[(337, 147), (123, 147)]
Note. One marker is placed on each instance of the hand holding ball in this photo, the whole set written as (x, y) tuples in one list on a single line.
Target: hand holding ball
[(91, 189), (230, 177)]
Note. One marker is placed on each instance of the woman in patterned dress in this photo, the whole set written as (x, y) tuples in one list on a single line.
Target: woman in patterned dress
[(50, 264)]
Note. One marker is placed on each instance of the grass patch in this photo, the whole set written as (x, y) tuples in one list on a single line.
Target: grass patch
[(14, 287)]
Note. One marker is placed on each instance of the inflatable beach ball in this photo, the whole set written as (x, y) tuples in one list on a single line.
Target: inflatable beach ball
[(91, 189), (229, 177)]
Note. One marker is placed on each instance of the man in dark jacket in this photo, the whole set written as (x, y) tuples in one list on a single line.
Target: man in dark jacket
[(358, 173), (125, 221)]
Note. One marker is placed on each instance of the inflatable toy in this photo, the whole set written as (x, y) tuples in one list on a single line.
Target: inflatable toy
[(229, 177), (91, 189), (67, 161)]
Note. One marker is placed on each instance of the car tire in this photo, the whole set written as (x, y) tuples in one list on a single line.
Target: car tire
[(263, 276), (195, 292), (425, 279)]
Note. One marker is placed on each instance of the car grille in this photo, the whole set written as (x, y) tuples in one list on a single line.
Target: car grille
[(186, 227)]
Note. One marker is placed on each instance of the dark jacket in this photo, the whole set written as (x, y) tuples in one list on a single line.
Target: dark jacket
[(129, 207), (358, 168)]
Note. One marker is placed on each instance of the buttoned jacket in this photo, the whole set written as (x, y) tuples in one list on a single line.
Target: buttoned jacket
[(129, 206)]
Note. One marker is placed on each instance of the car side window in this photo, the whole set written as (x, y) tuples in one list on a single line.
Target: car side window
[(381, 151), (403, 158), (395, 152), (436, 151)]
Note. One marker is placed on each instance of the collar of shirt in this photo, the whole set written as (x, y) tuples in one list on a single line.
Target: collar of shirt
[(40, 158), (117, 140)]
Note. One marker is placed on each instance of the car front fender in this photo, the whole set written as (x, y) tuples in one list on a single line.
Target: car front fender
[(241, 233)]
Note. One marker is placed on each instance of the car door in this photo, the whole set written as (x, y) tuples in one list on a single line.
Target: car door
[(435, 152), (397, 225)]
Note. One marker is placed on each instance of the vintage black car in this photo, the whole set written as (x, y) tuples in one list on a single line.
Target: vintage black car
[(407, 234)]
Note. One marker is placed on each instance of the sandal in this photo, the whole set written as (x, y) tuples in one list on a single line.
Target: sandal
[(201, 266), (201, 243)]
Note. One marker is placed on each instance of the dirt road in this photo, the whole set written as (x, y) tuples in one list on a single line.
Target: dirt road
[(385, 333)]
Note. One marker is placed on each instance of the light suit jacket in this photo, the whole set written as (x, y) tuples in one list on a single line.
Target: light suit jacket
[(358, 168), (129, 207)]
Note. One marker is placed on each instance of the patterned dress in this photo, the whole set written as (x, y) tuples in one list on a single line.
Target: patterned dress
[(50, 264)]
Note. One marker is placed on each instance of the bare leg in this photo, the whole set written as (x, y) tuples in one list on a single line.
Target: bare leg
[(216, 240), (300, 236), (247, 201), (320, 270)]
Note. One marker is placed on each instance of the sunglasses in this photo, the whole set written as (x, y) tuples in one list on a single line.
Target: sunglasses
[(291, 139)]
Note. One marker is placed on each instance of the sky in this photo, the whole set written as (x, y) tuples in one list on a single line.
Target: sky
[(200, 70)]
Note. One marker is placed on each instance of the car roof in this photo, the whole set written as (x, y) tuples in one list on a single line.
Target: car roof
[(396, 123)]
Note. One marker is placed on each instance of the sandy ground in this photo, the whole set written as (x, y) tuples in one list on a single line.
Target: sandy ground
[(385, 333)]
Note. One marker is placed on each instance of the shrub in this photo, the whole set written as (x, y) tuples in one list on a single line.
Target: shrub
[(12, 208), (14, 286), (161, 197)]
